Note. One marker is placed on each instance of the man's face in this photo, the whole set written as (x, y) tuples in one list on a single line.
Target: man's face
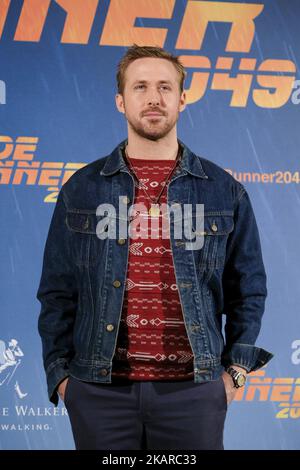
[(151, 99)]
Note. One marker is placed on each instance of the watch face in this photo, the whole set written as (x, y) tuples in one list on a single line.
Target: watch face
[(241, 380)]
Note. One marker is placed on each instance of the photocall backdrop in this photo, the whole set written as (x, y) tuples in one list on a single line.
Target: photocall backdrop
[(57, 113)]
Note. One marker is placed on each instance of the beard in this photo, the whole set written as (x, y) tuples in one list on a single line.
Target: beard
[(152, 128)]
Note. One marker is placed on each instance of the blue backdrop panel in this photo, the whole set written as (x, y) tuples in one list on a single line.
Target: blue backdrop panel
[(57, 113)]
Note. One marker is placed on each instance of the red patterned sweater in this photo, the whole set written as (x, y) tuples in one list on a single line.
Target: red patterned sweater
[(152, 342)]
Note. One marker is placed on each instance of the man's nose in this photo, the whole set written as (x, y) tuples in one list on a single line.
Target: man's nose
[(154, 97)]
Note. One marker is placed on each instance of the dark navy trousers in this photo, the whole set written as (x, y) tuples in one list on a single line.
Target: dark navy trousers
[(151, 415)]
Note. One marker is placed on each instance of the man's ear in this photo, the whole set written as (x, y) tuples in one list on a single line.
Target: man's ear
[(182, 103), (120, 103)]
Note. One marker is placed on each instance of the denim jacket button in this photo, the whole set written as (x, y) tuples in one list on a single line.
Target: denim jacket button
[(121, 241), (116, 283), (214, 228), (125, 199), (110, 327), (103, 372)]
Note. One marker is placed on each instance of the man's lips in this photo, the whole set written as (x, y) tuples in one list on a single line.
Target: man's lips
[(153, 113)]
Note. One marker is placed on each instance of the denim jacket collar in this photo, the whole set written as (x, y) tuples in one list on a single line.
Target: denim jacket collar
[(190, 163)]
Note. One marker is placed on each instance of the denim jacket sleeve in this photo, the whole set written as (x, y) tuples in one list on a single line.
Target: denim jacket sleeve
[(57, 293), (244, 287)]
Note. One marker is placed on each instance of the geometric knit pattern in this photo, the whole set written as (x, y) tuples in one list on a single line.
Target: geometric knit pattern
[(152, 342)]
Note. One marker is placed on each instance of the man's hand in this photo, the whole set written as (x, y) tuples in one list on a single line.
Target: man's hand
[(231, 390), (62, 388)]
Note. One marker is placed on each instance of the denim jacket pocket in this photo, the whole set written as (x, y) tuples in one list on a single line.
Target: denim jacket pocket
[(87, 246), (216, 229)]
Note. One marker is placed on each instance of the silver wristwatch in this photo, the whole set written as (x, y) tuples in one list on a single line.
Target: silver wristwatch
[(239, 379)]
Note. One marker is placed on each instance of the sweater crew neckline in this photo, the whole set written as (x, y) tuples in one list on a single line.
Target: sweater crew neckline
[(145, 160)]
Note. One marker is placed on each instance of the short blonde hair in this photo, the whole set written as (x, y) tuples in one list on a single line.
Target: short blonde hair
[(138, 52)]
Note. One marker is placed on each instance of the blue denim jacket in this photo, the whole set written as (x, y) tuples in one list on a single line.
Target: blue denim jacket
[(83, 277)]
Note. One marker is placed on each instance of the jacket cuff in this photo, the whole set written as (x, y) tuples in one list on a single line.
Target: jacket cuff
[(247, 356), (56, 372)]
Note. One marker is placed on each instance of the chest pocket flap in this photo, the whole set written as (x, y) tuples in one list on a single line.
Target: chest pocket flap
[(218, 224), (82, 221)]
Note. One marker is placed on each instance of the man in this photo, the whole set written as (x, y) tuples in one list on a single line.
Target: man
[(131, 325)]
